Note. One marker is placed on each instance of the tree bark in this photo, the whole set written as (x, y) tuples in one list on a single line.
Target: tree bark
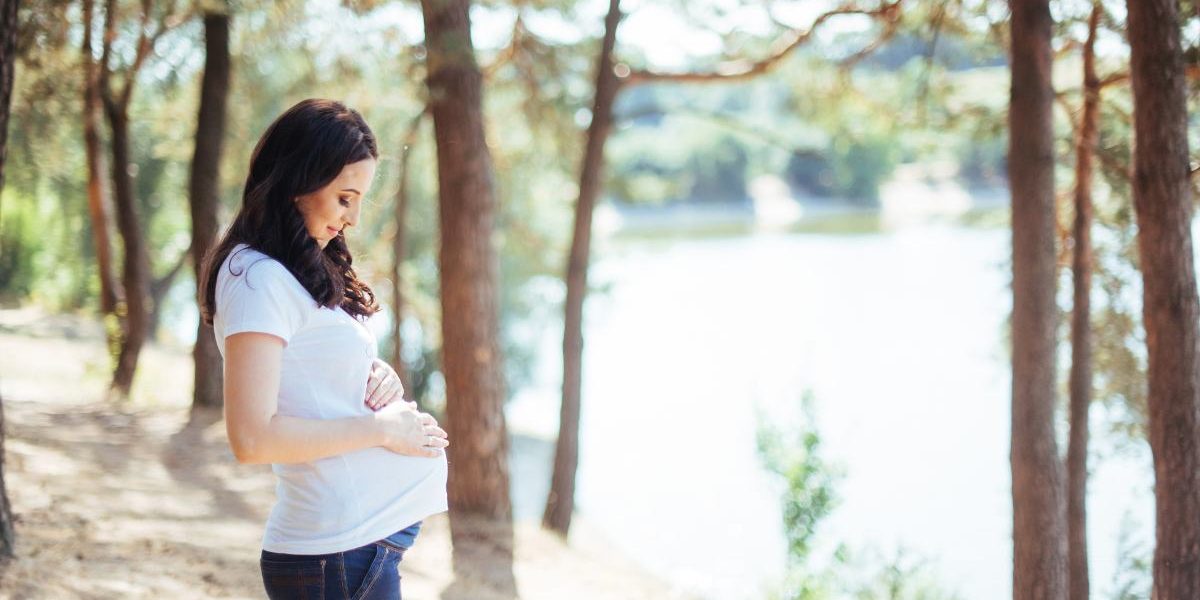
[(7, 534), (1039, 523), (400, 249), (8, 65), (1081, 338), (8, 43), (561, 501), (1170, 310), (205, 191), (98, 204), (480, 507), (135, 276), (136, 264)]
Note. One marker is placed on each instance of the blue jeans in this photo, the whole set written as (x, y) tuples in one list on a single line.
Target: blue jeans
[(370, 572)]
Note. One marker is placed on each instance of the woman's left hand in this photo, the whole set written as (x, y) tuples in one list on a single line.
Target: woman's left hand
[(383, 386)]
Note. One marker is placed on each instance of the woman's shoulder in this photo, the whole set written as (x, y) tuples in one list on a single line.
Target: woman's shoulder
[(243, 257), (254, 268), (256, 292)]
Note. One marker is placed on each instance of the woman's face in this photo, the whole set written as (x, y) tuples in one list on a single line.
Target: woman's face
[(332, 208)]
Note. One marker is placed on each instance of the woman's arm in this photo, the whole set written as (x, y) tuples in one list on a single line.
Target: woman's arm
[(257, 434)]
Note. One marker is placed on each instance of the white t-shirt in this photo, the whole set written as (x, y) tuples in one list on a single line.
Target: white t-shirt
[(341, 502)]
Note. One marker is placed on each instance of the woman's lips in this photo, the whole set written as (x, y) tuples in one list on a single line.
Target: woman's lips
[(331, 230)]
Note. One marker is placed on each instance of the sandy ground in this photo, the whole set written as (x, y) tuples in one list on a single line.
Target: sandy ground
[(142, 498)]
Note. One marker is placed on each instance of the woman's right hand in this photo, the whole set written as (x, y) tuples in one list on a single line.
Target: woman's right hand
[(407, 431)]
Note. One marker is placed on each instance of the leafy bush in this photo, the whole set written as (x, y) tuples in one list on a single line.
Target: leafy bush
[(851, 167), (19, 246), (793, 452), (699, 162)]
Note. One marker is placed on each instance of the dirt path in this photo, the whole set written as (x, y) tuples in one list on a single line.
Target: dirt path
[(144, 500)]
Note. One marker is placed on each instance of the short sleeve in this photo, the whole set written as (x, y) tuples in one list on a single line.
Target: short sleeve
[(261, 295)]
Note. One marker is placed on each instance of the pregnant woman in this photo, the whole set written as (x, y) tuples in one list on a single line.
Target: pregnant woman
[(357, 467)]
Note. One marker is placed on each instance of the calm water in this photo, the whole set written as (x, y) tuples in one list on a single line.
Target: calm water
[(898, 333)]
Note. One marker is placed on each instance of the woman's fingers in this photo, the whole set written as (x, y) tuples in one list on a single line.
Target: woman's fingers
[(436, 442), (431, 425), (389, 390), (383, 385), (434, 446), (374, 382), (411, 433)]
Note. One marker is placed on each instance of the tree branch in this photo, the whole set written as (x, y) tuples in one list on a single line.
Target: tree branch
[(744, 69), (890, 27), (110, 35), (506, 55), (146, 43)]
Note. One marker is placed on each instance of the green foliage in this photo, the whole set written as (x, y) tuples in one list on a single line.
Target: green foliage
[(718, 171), (1132, 577), (983, 156), (703, 163), (851, 141), (19, 245), (860, 164), (704, 143), (792, 451), (904, 576), (852, 168), (794, 455)]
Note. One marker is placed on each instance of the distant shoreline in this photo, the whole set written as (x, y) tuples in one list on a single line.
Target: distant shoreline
[(901, 202)]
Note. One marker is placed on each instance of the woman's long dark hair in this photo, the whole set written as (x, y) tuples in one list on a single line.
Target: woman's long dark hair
[(301, 152)]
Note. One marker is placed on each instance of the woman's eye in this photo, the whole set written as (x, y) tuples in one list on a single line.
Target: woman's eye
[(344, 201)]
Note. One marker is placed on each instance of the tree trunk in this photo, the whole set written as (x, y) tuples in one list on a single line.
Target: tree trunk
[(1039, 523), (135, 275), (400, 250), (1081, 338), (98, 206), (8, 43), (8, 51), (480, 507), (1171, 308), (7, 535), (159, 288), (561, 501), (136, 266), (205, 190)]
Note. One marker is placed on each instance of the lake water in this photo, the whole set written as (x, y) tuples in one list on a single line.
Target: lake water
[(900, 335)]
